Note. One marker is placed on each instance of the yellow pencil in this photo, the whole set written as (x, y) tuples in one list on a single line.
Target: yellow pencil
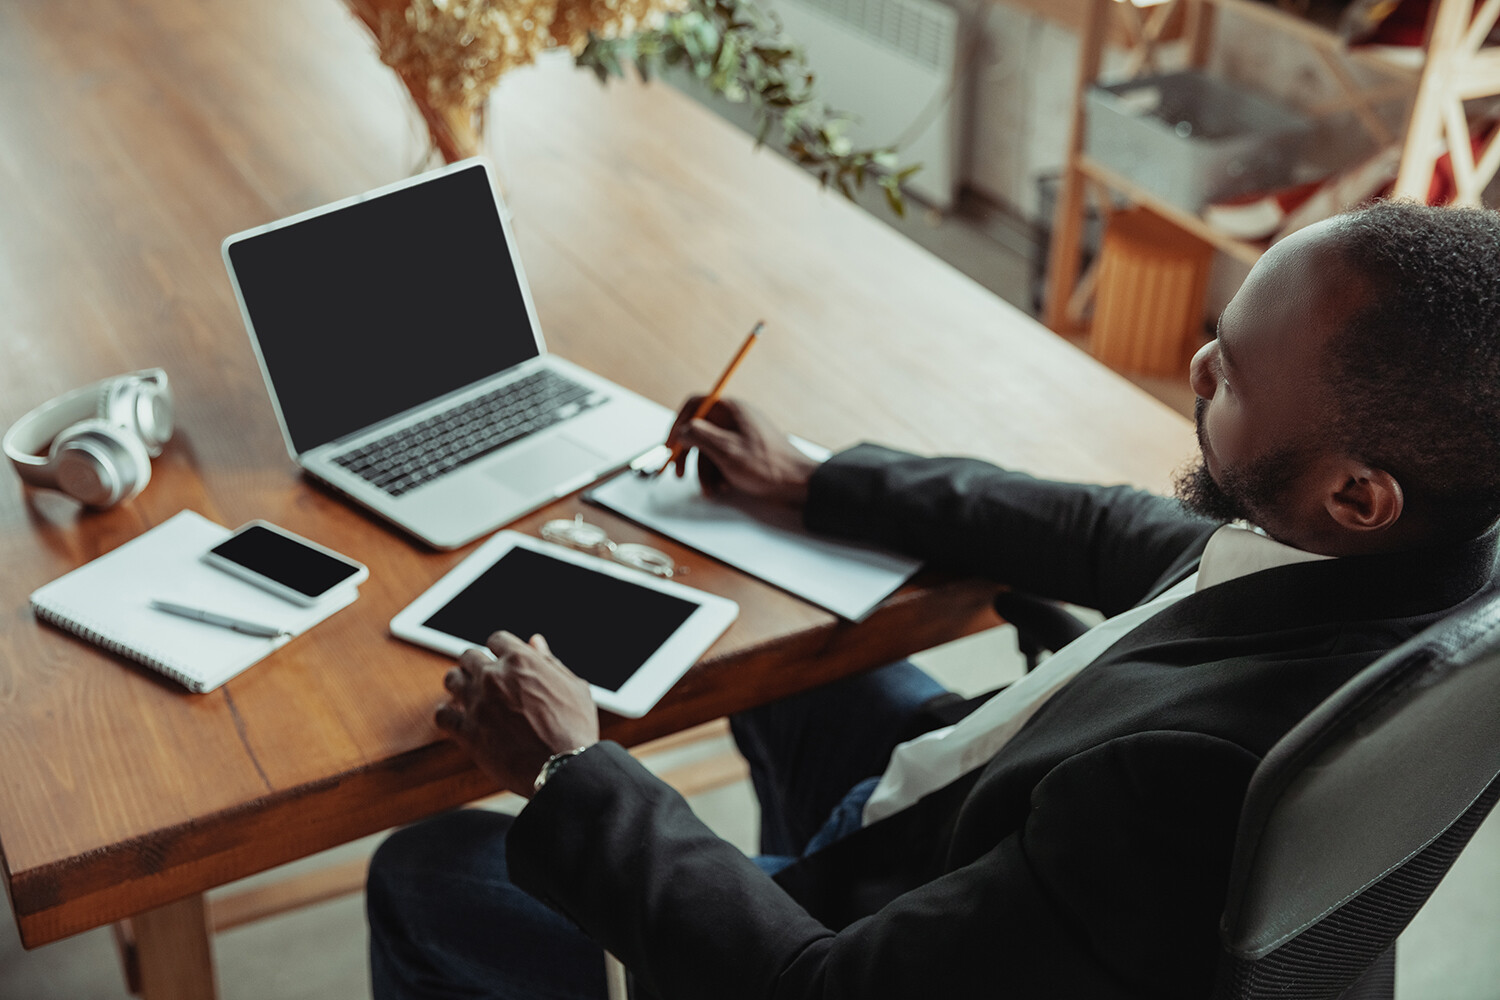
[(715, 392)]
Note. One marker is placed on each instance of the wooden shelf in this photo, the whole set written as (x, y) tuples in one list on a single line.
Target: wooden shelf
[(1452, 67), (1187, 221)]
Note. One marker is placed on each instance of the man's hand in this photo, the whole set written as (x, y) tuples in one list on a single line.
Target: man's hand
[(740, 450), (514, 709)]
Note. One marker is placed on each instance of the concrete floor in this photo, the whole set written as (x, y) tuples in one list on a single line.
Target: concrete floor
[(1451, 952)]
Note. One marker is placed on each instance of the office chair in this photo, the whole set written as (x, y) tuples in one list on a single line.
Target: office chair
[(1042, 626), (1354, 816)]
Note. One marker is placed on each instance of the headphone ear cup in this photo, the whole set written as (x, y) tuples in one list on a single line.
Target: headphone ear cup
[(100, 463), (142, 405)]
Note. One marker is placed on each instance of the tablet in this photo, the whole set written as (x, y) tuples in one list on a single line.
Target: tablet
[(631, 635)]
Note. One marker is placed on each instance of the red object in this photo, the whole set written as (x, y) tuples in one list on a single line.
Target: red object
[(1256, 216), (1406, 25)]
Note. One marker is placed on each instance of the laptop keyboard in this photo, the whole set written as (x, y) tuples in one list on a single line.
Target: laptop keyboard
[(414, 455)]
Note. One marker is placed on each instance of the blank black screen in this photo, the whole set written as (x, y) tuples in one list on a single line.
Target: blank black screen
[(601, 627), (373, 309), (285, 560)]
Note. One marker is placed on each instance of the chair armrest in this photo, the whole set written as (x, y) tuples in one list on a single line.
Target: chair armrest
[(1042, 625)]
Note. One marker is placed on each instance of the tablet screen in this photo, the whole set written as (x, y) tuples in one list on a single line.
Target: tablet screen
[(603, 628)]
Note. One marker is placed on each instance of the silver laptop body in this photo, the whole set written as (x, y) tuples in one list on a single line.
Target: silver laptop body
[(402, 353)]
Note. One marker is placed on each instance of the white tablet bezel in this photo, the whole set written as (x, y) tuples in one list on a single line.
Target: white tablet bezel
[(711, 616)]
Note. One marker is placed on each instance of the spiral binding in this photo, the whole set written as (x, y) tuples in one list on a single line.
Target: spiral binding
[(53, 616)]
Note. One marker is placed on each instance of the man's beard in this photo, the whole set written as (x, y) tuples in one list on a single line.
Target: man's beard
[(1196, 490), (1240, 494)]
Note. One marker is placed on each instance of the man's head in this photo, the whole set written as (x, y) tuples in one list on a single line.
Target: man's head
[(1351, 402)]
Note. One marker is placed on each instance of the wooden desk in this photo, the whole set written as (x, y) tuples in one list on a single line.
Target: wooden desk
[(134, 136)]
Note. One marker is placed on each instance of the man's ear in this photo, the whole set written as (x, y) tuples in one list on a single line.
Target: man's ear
[(1368, 500)]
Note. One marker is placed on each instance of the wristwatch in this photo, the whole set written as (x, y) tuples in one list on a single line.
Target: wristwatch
[(554, 762)]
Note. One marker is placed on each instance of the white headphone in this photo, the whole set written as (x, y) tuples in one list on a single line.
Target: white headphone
[(95, 444)]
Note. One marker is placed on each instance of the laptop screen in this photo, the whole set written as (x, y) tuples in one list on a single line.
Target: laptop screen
[(369, 310)]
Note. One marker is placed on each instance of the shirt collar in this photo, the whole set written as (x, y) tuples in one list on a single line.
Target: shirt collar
[(1237, 550)]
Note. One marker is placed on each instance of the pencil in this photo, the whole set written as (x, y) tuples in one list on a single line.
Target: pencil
[(715, 392)]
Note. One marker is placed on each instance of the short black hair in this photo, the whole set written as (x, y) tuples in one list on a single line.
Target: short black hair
[(1414, 375)]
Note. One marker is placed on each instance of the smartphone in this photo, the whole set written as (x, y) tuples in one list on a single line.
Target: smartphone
[(287, 565)]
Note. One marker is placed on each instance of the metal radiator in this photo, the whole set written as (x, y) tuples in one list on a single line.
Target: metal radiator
[(891, 64)]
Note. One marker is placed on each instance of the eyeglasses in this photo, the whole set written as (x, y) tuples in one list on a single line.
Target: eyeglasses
[(579, 534)]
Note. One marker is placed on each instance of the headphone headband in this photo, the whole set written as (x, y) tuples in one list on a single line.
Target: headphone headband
[(26, 443)]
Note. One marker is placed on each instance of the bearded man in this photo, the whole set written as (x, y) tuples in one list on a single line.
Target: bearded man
[(1070, 836)]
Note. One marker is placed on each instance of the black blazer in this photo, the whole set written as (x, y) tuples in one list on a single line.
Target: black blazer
[(1089, 858)]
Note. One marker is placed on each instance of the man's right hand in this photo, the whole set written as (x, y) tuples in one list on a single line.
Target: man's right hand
[(739, 450)]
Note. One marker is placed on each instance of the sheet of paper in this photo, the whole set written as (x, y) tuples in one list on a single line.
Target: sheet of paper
[(765, 540)]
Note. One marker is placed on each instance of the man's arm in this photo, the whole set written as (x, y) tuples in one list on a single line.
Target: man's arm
[(1101, 547), (1127, 842), (1112, 888)]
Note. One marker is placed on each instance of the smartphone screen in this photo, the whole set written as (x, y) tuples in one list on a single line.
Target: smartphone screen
[(285, 560)]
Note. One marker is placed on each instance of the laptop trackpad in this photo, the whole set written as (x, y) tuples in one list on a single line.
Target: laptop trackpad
[(540, 469)]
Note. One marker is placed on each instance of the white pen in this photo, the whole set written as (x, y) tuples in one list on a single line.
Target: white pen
[(223, 621)]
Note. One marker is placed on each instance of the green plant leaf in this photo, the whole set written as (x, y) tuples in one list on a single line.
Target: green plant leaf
[(894, 199), (741, 51)]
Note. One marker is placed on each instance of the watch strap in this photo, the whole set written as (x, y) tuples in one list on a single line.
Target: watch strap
[(554, 762)]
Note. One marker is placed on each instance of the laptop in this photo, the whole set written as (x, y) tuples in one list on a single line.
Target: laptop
[(401, 349)]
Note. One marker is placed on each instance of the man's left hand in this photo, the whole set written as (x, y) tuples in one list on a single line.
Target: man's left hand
[(514, 706)]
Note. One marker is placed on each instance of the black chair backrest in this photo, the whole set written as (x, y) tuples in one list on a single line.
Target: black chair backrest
[(1356, 814)]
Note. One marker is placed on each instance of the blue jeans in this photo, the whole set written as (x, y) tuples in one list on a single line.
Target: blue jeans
[(446, 922)]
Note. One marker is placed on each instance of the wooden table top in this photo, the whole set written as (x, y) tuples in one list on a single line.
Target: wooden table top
[(135, 136)]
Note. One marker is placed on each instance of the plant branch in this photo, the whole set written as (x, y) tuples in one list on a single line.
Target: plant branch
[(741, 53)]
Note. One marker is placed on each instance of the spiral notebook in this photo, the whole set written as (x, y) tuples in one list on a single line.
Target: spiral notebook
[(107, 602)]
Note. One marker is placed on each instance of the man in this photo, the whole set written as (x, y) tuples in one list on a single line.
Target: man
[(1071, 836)]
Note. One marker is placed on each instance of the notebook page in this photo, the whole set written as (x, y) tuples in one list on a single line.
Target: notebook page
[(110, 598), (763, 539)]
